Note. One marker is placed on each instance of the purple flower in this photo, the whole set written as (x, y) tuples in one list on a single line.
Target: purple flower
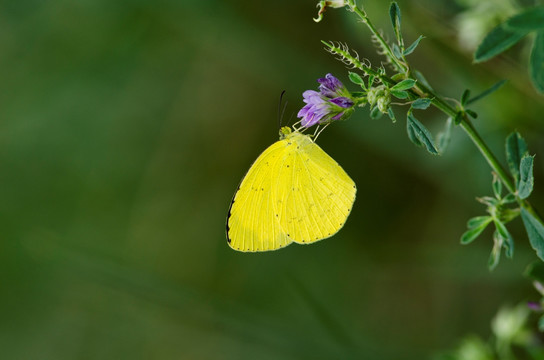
[(534, 306), (332, 102)]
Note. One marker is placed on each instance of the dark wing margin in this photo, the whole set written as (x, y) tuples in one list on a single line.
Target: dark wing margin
[(227, 228)]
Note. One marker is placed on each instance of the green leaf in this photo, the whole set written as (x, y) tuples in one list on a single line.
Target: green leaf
[(496, 41), (370, 81), (471, 234), (398, 77), (495, 255), (535, 271), (471, 113), (391, 114), (375, 113), (396, 51), (507, 239), (508, 199), (444, 136), (508, 214), (357, 79), (458, 118), (419, 134), (404, 85), (479, 221), (421, 103), (399, 94), (536, 62), (394, 13), (412, 135), (465, 97), (488, 200), (535, 231), (487, 92), (414, 45), (516, 148), (419, 76), (541, 323), (528, 20), (526, 179), (497, 186)]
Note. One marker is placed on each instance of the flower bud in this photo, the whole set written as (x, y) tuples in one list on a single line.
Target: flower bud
[(383, 102), (374, 94), (324, 4)]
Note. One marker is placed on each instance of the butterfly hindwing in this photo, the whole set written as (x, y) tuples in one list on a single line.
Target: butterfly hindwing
[(319, 195)]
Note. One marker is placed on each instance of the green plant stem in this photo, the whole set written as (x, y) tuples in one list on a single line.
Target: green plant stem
[(421, 90), (473, 134), (469, 129), (385, 46)]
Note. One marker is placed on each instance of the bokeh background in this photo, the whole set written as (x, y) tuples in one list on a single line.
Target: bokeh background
[(125, 127)]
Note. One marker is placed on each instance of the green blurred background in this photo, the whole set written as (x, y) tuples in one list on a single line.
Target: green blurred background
[(125, 127)]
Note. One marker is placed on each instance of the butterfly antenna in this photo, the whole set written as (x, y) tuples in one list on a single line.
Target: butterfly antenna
[(281, 110)]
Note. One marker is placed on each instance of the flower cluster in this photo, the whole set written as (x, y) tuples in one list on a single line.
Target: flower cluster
[(332, 102)]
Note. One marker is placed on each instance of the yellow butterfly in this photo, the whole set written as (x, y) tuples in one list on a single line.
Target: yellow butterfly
[(293, 192)]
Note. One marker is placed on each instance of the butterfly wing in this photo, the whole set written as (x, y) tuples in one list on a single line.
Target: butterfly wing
[(314, 194), (252, 224)]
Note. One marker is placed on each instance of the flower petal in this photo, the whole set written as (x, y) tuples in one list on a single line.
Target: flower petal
[(312, 97), (338, 116), (342, 102), (303, 111), (330, 85)]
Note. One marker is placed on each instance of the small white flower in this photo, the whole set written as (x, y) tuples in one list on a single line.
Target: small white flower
[(324, 4)]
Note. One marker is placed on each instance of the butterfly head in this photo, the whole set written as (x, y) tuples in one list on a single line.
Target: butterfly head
[(284, 132)]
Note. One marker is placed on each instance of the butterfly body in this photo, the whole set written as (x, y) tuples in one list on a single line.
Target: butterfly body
[(293, 192)]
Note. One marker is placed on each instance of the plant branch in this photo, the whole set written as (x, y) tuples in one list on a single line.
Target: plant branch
[(385, 46)]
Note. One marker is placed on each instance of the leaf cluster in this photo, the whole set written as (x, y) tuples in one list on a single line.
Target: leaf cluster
[(412, 90), (520, 165), (510, 32)]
